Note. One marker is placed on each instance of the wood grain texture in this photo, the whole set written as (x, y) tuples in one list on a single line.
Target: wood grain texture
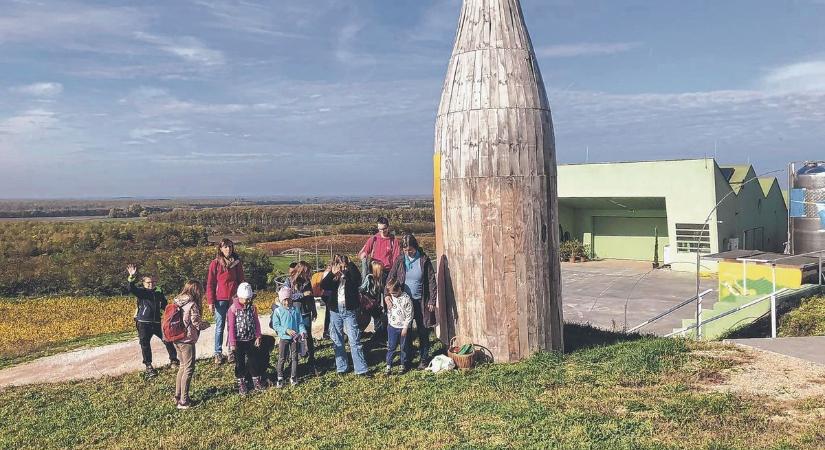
[(497, 233)]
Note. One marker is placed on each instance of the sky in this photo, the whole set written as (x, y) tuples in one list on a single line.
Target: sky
[(338, 97)]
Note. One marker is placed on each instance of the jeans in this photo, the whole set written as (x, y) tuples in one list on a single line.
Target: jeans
[(310, 341), (221, 307), (284, 346), (185, 371), (394, 338), (145, 332), (422, 333), (346, 321), (247, 358)]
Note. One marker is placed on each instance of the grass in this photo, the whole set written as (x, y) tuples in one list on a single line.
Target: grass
[(630, 393), (807, 320), (38, 327)]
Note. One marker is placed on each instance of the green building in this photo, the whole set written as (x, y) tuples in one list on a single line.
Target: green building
[(618, 209)]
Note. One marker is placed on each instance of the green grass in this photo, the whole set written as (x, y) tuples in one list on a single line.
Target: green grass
[(807, 320), (634, 393)]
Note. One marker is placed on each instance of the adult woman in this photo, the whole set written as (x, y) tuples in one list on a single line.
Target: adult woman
[(414, 270), (343, 280), (222, 281)]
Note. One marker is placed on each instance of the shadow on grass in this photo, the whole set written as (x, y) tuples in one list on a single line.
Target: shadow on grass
[(580, 337)]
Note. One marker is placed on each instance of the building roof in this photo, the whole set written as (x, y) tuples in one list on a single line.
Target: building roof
[(736, 175), (767, 183)]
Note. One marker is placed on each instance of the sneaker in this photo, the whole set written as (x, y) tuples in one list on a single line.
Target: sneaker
[(363, 375), (388, 371), (242, 389), (218, 359), (405, 369), (174, 364), (293, 381), (259, 383), (186, 405), (316, 371), (150, 372), (280, 383), (231, 359), (422, 365)]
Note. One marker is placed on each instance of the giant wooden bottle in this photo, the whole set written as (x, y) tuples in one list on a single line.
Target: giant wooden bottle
[(495, 189)]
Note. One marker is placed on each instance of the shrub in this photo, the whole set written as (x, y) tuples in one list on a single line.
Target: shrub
[(103, 273), (807, 320)]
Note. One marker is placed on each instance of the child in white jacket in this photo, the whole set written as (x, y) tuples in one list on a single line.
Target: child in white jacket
[(400, 316)]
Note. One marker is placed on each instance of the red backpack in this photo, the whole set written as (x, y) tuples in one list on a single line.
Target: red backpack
[(172, 324)]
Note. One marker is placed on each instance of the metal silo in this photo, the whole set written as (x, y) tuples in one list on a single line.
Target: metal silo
[(807, 208)]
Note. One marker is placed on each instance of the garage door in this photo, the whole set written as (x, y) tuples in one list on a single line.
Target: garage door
[(628, 237)]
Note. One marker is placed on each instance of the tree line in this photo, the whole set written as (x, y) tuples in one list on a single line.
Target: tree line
[(292, 216)]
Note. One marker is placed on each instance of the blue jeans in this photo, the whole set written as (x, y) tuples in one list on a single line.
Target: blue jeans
[(346, 321), (421, 332), (221, 307), (394, 338)]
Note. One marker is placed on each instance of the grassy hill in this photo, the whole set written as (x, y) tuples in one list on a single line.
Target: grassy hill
[(608, 391)]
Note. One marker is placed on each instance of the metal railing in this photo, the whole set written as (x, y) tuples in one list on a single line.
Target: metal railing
[(671, 310), (772, 297)]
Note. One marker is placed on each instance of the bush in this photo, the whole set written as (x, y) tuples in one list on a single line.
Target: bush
[(573, 248), (104, 273), (807, 320)]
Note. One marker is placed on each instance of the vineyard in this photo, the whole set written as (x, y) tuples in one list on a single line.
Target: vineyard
[(30, 326), (346, 244), (262, 218)]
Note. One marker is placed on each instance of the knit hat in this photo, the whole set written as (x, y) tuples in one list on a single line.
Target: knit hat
[(245, 291), (284, 293)]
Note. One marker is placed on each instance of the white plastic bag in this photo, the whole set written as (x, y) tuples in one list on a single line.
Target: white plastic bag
[(441, 363)]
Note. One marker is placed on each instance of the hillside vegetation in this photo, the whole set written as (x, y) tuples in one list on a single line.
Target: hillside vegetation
[(642, 394)]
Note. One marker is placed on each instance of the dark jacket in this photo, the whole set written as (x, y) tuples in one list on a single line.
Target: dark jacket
[(429, 287), (150, 302), (306, 302), (352, 280)]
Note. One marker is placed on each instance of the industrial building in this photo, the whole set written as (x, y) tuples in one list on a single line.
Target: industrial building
[(621, 209)]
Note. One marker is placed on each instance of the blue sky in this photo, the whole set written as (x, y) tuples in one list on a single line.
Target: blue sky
[(326, 97)]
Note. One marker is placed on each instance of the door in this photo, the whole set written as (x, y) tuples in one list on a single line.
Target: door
[(631, 238)]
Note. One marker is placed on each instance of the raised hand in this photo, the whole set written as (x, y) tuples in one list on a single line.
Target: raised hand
[(132, 269)]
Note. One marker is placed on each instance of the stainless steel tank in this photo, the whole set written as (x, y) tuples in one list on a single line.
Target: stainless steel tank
[(808, 232)]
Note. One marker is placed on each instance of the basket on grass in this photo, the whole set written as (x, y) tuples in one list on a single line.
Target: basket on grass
[(463, 359)]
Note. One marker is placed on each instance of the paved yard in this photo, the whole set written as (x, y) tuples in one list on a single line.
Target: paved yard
[(599, 292), (811, 348)]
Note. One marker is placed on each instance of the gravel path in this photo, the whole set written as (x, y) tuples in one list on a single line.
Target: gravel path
[(112, 360)]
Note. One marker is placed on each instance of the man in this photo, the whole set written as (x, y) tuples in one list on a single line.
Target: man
[(382, 246)]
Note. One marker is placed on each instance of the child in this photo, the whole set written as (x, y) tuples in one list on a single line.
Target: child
[(303, 296), (287, 322), (150, 305), (400, 316), (245, 338), (189, 300), (373, 287)]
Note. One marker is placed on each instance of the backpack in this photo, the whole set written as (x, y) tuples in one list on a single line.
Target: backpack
[(172, 324)]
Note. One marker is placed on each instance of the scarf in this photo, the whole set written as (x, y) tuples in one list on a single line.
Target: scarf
[(410, 261), (228, 263)]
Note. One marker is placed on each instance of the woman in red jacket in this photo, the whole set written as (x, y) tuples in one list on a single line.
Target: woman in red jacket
[(222, 280)]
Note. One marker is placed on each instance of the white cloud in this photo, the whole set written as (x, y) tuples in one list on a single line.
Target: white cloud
[(39, 89), (806, 76), (187, 48), (585, 49), (28, 123)]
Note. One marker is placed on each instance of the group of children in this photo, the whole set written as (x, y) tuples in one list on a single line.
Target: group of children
[(291, 320)]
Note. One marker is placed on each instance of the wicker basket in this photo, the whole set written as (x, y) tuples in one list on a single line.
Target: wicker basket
[(461, 361)]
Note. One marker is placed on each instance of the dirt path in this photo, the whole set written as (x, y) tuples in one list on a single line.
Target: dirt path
[(112, 360)]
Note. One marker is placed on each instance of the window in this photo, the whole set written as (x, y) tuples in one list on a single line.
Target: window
[(692, 236)]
